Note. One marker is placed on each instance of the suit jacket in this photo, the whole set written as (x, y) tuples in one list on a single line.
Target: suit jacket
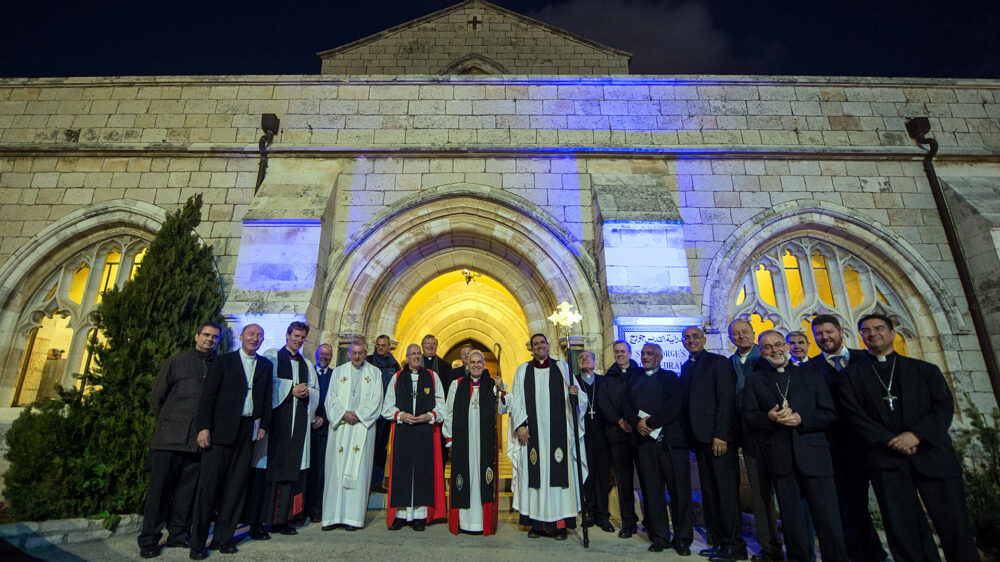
[(659, 396), (780, 445), (174, 399), (221, 404), (609, 400), (925, 406), (710, 398), (842, 436)]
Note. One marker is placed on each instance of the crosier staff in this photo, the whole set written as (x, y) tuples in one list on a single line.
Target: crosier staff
[(496, 455)]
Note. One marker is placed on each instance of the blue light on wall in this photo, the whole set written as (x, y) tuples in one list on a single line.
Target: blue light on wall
[(278, 255), (643, 257)]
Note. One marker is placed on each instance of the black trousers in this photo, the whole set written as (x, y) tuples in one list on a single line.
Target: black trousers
[(851, 479), (897, 493), (256, 498), (761, 498), (821, 495), (597, 486), (317, 470), (625, 462), (720, 496), (222, 483), (661, 465), (173, 479), (382, 429)]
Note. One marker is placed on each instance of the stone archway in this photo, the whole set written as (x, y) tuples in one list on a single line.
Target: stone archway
[(451, 228)]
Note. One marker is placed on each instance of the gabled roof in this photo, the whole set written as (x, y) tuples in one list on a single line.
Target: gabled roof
[(481, 4)]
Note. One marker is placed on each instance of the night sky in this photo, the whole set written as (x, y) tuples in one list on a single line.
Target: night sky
[(957, 39)]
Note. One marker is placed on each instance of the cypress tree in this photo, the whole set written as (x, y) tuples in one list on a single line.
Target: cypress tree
[(86, 454)]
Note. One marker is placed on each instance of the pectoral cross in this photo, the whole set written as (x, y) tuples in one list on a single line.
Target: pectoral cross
[(591, 411), (890, 398), (343, 380)]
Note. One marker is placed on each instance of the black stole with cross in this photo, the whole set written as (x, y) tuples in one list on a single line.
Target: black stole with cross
[(288, 430), (460, 439), (413, 445), (558, 451)]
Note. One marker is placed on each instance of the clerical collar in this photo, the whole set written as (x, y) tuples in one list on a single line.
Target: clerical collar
[(293, 355), (882, 358), (541, 364), (475, 381), (781, 369), (652, 371), (743, 356), (587, 377)]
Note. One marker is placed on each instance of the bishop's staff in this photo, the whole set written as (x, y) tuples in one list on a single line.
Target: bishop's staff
[(496, 454)]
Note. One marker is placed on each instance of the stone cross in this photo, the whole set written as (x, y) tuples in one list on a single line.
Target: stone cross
[(475, 21)]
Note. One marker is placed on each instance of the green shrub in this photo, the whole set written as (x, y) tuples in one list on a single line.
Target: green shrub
[(978, 448), (84, 453)]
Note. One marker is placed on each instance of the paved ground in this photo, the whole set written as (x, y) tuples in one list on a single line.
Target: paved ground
[(375, 542)]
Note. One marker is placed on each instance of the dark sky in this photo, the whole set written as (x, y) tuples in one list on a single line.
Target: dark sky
[(956, 38)]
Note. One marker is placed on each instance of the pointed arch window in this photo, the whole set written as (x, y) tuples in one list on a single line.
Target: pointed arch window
[(792, 282)]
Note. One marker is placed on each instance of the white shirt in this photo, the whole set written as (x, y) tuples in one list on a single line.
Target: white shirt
[(843, 353), (249, 366)]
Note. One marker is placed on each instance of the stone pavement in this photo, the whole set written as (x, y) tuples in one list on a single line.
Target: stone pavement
[(375, 542)]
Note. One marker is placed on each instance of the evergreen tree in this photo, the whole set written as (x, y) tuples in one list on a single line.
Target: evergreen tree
[(87, 455)]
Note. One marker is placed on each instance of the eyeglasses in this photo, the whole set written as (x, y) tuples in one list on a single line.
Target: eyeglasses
[(768, 347)]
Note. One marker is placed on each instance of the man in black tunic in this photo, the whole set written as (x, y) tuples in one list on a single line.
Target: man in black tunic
[(174, 456), (597, 486), (383, 359), (318, 437), (901, 409), (621, 436)]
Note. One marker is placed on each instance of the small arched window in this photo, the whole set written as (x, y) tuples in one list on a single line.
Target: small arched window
[(794, 281)]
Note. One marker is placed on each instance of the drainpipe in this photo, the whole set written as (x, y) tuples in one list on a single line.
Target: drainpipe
[(270, 123), (917, 128)]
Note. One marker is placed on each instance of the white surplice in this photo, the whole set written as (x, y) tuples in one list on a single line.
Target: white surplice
[(471, 519), (350, 449), (390, 411), (546, 503)]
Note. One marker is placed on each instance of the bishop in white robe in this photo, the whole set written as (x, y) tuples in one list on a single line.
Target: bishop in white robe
[(475, 401), (353, 403), (542, 449)]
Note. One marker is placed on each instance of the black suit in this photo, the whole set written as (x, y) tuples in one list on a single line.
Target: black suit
[(709, 412), (798, 458), (597, 486), (664, 460), (225, 464), (623, 446), (863, 543), (925, 407)]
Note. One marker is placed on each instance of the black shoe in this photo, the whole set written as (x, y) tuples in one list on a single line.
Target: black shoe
[(761, 558), (397, 524), (419, 525), (149, 552), (626, 532), (228, 548), (199, 554), (351, 528), (533, 534), (259, 533), (560, 535), (605, 526), (589, 522), (706, 552), (286, 529), (729, 554), (177, 544), (380, 489), (683, 550), (329, 527), (316, 517), (655, 547)]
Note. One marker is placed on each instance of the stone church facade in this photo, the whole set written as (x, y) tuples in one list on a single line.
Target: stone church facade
[(646, 202)]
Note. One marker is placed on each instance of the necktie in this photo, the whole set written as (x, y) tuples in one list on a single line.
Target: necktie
[(838, 362)]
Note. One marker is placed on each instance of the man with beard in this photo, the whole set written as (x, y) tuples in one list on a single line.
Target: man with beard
[(318, 437), (621, 435), (790, 408), (798, 347), (901, 409), (745, 361), (470, 427), (353, 404), (174, 456), (653, 406), (597, 486), (235, 400), (708, 416), (383, 360), (543, 452), (415, 403), (863, 543), (295, 399)]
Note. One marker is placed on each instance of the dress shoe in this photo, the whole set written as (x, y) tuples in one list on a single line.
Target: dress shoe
[(419, 525), (286, 529), (228, 548), (683, 550), (710, 551), (351, 528), (729, 554), (380, 489), (560, 535), (605, 526), (177, 543), (589, 522), (199, 554), (626, 532), (397, 524), (316, 517), (764, 558), (259, 533), (533, 534), (655, 547), (149, 552), (329, 527)]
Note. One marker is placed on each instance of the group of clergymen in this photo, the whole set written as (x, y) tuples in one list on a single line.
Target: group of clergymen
[(269, 440)]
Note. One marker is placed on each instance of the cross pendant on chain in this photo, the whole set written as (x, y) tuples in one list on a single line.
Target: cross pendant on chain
[(890, 398)]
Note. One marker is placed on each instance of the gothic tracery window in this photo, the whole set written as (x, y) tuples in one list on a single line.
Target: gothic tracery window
[(57, 322), (796, 280)]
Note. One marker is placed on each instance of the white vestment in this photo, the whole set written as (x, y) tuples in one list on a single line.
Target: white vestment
[(471, 519), (350, 449), (390, 411), (547, 504), (279, 391)]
